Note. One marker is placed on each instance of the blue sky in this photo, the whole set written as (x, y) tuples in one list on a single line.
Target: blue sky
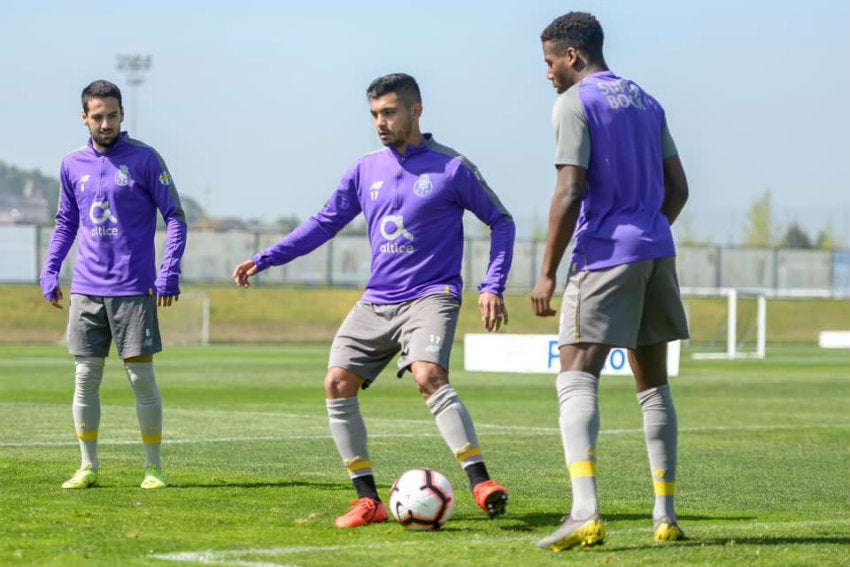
[(259, 107)]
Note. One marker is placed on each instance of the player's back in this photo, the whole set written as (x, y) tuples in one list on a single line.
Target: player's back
[(621, 218)]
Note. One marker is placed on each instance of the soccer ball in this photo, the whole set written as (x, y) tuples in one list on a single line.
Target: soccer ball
[(422, 499)]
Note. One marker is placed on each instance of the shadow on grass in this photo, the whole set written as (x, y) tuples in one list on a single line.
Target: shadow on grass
[(768, 540), (532, 522), (700, 542), (537, 519), (215, 483)]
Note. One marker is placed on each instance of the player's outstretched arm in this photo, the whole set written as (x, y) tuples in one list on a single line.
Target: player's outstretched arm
[(244, 271)]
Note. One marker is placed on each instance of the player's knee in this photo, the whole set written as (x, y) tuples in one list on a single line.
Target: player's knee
[(340, 383), (429, 378), (88, 375), (140, 372), (92, 361)]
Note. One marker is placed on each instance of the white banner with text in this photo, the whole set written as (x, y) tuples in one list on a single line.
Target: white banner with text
[(540, 354)]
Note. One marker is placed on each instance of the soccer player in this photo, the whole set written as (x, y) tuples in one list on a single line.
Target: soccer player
[(413, 194), (112, 189), (620, 185)]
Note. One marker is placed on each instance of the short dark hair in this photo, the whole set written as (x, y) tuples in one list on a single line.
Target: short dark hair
[(579, 30), (401, 84), (100, 89)]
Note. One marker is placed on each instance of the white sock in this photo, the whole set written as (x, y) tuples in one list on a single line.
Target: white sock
[(455, 425), (349, 434), (578, 399), (148, 409), (88, 374), (661, 430)]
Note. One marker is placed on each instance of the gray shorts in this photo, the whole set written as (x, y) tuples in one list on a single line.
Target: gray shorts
[(94, 322), (626, 306), (371, 335)]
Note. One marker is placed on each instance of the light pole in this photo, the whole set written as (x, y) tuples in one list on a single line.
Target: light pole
[(135, 67)]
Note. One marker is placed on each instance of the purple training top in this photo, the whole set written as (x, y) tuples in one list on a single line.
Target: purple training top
[(413, 205), (618, 132), (109, 203)]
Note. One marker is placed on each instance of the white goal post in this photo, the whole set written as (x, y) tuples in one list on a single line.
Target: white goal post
[(731, 294), (186, 321)]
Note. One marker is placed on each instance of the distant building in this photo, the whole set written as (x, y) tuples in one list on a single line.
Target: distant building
[(18, 209), (223, 224)]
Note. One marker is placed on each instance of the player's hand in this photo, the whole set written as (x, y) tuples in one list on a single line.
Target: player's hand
[(494, 314), (244, 271), (166, 300), (57, 298), (541, 297)]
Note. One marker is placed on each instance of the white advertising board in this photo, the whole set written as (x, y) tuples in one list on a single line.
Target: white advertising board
[(539, 354)]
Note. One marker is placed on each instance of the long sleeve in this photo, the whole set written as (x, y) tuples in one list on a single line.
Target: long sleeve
[(64, 233), (168, 202), (340, 209), (502, 235), (483, 202)]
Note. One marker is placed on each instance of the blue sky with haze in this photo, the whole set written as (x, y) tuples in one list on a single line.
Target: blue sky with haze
[(259, 107)]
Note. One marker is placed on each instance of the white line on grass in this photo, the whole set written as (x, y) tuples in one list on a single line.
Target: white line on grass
[(230, 557), (236, 556), (494, 430)]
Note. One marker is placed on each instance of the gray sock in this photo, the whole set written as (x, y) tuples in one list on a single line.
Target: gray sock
[(148, 409), (349, 433), (578, 398), (88, 374), (661, 430), (455, 425)]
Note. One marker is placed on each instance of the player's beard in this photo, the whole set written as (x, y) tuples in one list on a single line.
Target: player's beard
[(398, 138), (105, 141)]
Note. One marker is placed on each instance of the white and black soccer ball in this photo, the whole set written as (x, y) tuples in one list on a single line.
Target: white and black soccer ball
[(422, 499)]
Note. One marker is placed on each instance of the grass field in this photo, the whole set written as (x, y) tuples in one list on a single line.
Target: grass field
[(255, 480)]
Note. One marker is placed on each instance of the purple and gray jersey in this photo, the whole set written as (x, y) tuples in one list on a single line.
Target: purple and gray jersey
[(413, 205), (109, 203), (618, 133)]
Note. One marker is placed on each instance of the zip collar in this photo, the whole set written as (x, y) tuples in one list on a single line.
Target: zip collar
[(414, 150)]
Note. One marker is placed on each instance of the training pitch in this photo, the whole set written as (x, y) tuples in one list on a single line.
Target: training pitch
[(255, 481)]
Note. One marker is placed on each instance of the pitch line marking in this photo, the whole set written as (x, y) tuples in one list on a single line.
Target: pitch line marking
[(494, 430), (232, 557)]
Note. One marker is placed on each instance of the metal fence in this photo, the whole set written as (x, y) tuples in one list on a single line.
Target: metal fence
[(344, 261)]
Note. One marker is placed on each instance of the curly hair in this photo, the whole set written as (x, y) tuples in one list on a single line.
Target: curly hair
[(579, 30), (100, 89), (401, 84)]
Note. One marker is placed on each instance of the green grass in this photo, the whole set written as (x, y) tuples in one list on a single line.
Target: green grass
[(255, 479)]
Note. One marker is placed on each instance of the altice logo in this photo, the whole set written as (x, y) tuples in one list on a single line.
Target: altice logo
[(392, 228), (99, 214)]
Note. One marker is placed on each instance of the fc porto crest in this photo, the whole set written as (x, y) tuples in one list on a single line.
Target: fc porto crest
[(342, 201), (122, 176), (423, 186)]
